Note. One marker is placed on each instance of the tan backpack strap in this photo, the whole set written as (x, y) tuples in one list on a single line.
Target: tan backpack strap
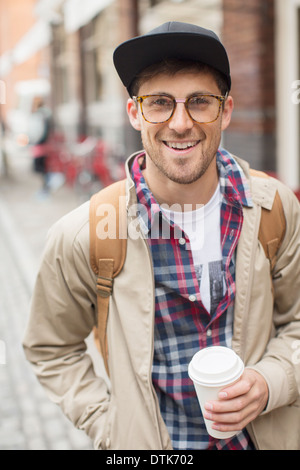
[(272, 229), (114, 246), (107, 256), (272, 225)]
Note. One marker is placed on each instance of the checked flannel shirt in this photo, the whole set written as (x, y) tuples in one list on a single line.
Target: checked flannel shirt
[(182, 324)]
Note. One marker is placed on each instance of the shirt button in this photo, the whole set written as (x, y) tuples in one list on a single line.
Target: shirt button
[(192, 298), (209, 333), (181, 241)]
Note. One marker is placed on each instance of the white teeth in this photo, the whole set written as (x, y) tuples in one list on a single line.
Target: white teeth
[(181, 145)]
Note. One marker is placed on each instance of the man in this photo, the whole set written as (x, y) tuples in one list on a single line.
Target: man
[(39, 134), (196, 276)]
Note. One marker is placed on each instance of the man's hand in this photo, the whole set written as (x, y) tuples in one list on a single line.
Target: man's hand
[(239, 403)]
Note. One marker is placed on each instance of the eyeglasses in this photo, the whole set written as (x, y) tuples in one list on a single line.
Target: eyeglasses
[(201, 108)]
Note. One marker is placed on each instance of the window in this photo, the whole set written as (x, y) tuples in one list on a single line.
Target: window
[(91, 62)]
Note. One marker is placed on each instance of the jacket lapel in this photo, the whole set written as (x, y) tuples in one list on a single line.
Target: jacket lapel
[(263, 195)]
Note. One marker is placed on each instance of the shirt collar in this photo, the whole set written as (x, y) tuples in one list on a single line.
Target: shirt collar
[(148, 208), (233, 182)]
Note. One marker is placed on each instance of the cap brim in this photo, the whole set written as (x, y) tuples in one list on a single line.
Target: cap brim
[(133, 56)]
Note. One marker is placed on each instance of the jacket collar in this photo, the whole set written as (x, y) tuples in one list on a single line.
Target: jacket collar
[(261, 186)]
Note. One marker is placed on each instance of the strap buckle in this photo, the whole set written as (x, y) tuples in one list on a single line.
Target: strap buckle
[(104, 286)]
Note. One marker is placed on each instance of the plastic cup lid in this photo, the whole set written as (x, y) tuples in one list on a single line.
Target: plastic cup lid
[(215, 365)]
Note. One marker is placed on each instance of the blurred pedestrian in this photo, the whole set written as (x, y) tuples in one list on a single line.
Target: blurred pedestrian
[(39, 133), (176, 295)]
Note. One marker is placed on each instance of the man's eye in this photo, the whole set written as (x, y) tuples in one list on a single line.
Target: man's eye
[(199, 100), (161, 102)]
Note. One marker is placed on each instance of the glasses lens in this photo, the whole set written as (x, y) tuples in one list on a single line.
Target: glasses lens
[(203, 108), (157, 108)]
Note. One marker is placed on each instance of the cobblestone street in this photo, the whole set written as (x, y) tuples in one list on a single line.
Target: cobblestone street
[(28, 420)]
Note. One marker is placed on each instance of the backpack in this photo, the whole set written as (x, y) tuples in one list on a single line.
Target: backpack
[(107, 256)]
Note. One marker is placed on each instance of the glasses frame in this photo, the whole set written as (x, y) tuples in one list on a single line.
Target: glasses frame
[(220, 98)]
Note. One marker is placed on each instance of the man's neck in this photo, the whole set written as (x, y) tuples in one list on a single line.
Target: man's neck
[(184, 196)]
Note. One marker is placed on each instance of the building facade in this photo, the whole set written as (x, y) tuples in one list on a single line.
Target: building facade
[(263, 43)]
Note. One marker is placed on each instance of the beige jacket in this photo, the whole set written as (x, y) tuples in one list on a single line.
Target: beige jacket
[(125, 414)]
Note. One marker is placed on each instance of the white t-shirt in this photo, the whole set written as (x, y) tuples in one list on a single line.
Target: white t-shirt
[(202, 226)]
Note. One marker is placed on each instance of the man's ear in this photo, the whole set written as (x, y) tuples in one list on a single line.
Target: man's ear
[(227, 112), (133, 114)]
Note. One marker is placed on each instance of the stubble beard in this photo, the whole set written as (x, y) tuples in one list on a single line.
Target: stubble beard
[(181, 173)]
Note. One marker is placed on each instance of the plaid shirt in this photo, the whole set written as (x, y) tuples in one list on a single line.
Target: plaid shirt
[(182, 324)]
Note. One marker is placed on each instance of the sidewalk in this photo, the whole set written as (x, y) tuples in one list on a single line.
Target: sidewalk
[(28, 420)]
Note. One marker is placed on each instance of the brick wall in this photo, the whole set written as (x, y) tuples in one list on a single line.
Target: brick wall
[(248, 35)]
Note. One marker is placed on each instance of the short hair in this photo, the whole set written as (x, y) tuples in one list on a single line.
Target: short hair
[(173, 66)]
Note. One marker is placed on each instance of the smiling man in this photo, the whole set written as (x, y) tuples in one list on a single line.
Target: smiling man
[(182, 149), (208, 283)]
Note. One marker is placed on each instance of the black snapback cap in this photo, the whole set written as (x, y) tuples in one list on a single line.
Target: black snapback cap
[(174, 40)]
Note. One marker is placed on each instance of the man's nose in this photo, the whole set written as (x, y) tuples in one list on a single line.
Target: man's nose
[(181, 120)]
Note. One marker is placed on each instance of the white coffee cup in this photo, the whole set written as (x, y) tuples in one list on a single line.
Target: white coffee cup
[(212, 369)]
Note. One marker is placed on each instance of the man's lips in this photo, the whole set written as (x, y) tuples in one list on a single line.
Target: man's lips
[(180, 146)]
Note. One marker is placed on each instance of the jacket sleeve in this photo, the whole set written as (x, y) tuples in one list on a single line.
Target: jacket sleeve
[(280, 364), (62, 316)]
